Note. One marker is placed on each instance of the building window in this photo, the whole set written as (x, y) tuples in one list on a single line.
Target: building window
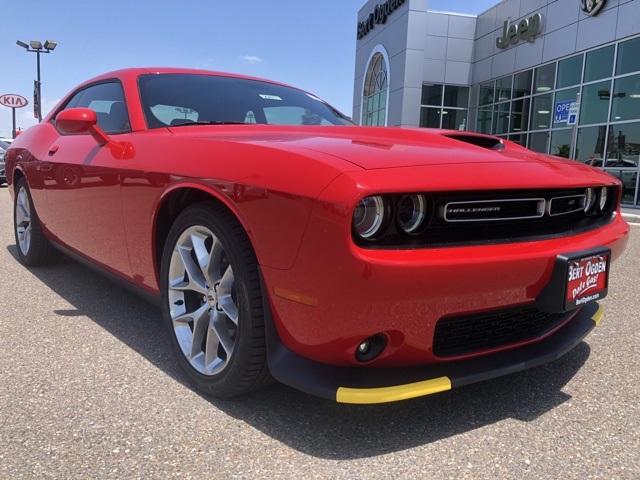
[(486, 93), (503, 88), (599, 64), (628, 57), (444, 106), (501, 117), (374, 95), (561, 143), (545, 78), (541, 117), (623, 157), (590, 147), (569, 72), (626, 99), (538, 141), (484, 121), (522, 84), (594, 103)]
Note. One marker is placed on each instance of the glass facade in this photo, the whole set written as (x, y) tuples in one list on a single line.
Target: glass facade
[(531, 108), (444, 106)]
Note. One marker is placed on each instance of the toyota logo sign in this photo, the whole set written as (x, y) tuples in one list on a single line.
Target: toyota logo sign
[(591, 7)]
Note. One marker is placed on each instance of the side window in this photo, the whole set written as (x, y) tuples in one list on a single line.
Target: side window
[(107, 100)]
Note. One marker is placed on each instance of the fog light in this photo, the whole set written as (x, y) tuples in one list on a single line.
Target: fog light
[(363, 347), (371, 348)]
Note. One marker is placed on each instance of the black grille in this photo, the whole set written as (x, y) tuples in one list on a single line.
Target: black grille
[(563, 205), (476, 333)]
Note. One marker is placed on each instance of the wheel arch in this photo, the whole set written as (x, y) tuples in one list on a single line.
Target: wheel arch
[(177, 200)]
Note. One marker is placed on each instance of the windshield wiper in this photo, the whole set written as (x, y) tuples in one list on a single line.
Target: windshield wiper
[(211, 122)]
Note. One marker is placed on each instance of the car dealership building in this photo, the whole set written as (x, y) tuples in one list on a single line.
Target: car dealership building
[(558, 76)]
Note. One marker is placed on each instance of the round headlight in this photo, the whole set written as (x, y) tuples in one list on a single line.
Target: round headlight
[(590, 201), (604, 200), (411, 212), (369, 216)]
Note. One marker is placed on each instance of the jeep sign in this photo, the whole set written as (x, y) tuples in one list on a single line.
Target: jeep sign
[(526, 29)]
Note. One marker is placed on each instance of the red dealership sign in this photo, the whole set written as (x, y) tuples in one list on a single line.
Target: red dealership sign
[(13, 101)]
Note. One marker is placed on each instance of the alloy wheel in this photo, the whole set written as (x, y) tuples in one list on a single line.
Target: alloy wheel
[(203, 304)]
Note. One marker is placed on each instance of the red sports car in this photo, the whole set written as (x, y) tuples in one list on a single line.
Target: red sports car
[(360, 264)]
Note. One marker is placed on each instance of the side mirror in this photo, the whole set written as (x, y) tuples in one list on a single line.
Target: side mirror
[(81, 120), (76, 120)]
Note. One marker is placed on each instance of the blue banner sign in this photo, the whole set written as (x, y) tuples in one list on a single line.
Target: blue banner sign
[(561, 113)]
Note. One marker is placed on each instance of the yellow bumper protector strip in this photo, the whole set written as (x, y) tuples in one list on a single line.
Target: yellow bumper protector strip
[(597, 317), (392, 394)]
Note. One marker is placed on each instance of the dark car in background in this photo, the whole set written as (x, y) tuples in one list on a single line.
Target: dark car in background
[(3, 149)]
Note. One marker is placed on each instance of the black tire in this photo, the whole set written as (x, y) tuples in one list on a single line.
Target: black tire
[(221, 357), (34, 248)]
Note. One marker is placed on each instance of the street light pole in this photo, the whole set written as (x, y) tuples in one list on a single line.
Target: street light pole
[(37, 47)]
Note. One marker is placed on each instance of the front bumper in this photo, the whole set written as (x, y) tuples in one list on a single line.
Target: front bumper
[(368, 385)]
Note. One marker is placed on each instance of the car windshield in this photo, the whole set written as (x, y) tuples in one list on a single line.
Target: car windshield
[(187, 99), (3, 145)]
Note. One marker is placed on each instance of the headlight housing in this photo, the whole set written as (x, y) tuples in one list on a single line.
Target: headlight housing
[(411, 213), (376, 215), (370, 216), (591, 198), (605, 200)]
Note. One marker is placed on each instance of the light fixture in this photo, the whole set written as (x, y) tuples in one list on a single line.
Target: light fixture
[(543, 112), (543, 89), (36, 47), (634, 95)]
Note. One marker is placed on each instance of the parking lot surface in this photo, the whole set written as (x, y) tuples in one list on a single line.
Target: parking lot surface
[(89, 389)]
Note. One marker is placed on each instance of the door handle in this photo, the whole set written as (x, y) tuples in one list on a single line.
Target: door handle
[(53, 150)]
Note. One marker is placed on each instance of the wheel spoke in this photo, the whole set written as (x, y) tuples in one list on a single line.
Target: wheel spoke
[(225, 298), (200, 327), (212, 269), (196, 282), (220, 330)]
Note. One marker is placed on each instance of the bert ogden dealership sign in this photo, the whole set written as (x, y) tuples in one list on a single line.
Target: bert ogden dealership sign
[(378, 16)]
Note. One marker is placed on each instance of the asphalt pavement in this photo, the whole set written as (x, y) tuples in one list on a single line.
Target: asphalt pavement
[(89, 389)]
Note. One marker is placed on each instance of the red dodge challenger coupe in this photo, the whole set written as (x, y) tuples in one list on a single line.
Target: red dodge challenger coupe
[(360, 264)]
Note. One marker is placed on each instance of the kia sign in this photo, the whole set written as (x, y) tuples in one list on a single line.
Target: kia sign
[(13, 101)]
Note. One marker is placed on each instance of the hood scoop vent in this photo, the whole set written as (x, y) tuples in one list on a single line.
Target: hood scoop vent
[(489, 143)]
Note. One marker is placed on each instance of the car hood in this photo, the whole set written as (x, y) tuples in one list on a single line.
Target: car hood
[(373, 148)]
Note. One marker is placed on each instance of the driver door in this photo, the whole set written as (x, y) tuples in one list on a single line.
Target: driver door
[(82, 182)]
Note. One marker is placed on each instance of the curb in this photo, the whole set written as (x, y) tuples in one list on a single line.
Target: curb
[(631, 218)]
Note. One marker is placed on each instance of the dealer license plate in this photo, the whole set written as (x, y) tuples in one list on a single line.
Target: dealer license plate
[(587, 279)]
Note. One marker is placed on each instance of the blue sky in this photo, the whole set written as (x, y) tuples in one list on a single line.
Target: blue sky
[(310, 45)]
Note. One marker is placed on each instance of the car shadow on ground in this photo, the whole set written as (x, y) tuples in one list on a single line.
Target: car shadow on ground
[(312, 425)]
